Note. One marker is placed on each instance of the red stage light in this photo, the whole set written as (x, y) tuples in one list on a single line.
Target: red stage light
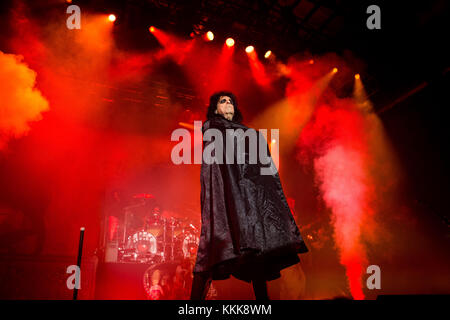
[(230, 42), (357, 76), (112, 18), (268, 54), (210, 36), (335, 70), (249, 49), (152, 29)]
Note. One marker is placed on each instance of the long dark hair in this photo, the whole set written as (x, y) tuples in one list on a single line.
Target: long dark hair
[(214, 99)]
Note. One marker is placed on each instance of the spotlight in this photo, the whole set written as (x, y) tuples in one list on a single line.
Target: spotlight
[(230, 42), (357, 76), (210, 36), (151, 29), (268, 54), (311, 61), (112, 17), (249, 49), (335, 70)]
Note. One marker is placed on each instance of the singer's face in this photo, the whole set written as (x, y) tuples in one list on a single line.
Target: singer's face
[(225, 107)]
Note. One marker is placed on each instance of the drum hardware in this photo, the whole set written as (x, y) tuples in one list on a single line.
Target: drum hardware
[(147, 235), (143, 246), (172, 226), (164, 242), (188, 242), (127, 211)]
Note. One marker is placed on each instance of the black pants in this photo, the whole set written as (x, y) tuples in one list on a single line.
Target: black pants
[(202, 282)]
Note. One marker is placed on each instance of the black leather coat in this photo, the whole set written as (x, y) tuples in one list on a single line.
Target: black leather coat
[(247, 227)]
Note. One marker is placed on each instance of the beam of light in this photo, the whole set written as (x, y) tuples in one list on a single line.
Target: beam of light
[(258, 71), (200, 74), (360, 96), (186, 125), (403, 97), (173, 46), (249, 49), (230, 42), (267, 54), (292, 113), (222, 75), (112, 17), (160, 35), (209, 36)]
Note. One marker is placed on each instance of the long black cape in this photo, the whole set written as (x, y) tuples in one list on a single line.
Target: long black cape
[(247, 228)]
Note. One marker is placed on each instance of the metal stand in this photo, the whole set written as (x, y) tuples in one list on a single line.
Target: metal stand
[(172, 244), (164, 243), (80, 250)]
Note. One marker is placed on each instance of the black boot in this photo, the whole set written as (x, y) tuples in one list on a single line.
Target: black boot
[(260, 289), (200, 286)]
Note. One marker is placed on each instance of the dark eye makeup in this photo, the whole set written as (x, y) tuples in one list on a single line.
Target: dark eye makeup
[(225, 100)]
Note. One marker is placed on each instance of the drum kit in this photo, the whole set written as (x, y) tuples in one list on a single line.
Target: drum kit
[(149, 236)]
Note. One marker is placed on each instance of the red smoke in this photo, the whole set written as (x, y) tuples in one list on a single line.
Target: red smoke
[(20, 101), (337, 136)]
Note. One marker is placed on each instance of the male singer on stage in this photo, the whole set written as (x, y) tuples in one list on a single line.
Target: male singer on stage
[(248, 230)]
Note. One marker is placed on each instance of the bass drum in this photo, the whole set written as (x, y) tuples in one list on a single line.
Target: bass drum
[(143, 242), (187, 245)]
